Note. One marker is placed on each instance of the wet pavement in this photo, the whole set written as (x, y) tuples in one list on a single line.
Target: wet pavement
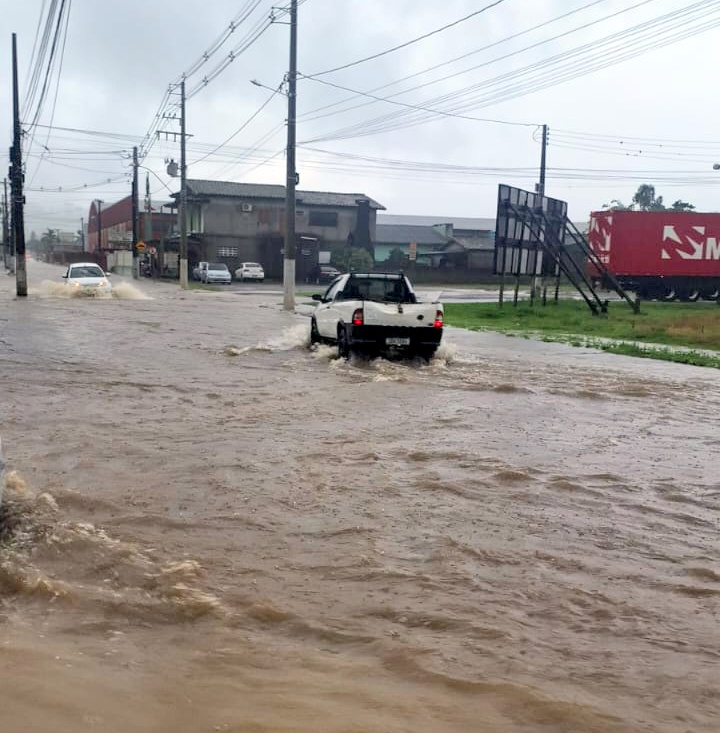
[(210, 527)]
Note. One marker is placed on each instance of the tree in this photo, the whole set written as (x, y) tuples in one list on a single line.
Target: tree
[(351, 258), (646, 200), (681, 205), (397, 259), (616, 205)]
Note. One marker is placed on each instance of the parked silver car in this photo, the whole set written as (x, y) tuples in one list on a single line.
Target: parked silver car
[(216, 272)]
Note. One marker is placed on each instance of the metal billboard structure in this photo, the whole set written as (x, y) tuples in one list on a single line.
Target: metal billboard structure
[(534, 238)]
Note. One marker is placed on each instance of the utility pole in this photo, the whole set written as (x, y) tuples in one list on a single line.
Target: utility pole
[(135, 273), (5, 225), (16, 184), (292, 176), (182, 209), (98, 220), (541, 185), (82, 234)]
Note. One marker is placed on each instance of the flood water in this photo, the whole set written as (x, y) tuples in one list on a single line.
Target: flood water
[(210, 528)]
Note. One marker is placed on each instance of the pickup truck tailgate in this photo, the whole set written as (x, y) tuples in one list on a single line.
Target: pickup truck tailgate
[(409, 315)]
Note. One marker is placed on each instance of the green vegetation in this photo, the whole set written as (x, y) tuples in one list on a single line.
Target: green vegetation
[(690, 326), (349, 259), (202, 286)]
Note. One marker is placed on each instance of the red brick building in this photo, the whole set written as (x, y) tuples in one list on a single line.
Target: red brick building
[(115, 224)]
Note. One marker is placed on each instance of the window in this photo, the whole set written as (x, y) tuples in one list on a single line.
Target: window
[(195, 218), (227, 251), (323, 219), (332, 291)]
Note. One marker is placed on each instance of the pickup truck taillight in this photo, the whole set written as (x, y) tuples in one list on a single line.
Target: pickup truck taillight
[(438, 319), (357, 319)]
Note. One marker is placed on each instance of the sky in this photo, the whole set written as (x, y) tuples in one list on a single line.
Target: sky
[(627, 89)]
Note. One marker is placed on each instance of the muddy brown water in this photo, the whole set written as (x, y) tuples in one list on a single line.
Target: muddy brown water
[(212, 528)]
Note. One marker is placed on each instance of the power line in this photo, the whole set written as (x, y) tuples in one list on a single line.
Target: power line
[(490, 62), (57, 89), (416, 106), (542, 74), (408, 43), (445, 63), (234, 24), (242, 127)]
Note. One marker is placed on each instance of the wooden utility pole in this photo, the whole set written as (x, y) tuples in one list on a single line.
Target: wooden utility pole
[(292, 177), (16, 184), (182, 209)]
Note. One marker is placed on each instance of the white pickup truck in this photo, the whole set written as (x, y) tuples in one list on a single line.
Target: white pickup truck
[(376, 313)]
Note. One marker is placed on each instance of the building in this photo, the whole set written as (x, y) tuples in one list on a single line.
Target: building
[(450, 243), (238, 222), (110, 232), (424, 244)]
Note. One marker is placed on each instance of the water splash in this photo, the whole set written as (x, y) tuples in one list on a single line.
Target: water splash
[(295, 337), (128, 291), (120, 291)]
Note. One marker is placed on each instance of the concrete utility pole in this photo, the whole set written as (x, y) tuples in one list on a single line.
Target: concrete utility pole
[(16, 184), (541, 185), (5, 225), (135, 237), (182, 208), (98, 221), (292, 177), (82, 234)]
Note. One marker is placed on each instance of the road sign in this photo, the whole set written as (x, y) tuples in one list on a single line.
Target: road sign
[(152, 250), (140, 246)]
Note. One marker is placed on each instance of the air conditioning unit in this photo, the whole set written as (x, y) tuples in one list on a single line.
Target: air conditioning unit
[(247, 207)]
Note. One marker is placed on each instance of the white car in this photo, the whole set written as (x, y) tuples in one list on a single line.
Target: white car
[(216, 272), (88, 278), (198, 269), (250, 271)]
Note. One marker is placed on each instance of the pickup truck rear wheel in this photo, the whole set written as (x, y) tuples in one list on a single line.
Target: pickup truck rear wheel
[(342, 343), (427, 353)]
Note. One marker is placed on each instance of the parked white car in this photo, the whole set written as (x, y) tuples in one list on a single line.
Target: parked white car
[(216, 272), (88, 278), (250, 271)]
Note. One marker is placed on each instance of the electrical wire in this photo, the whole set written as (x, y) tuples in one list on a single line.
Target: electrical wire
[(57, 89), (548, 72), (495, 60), (487, 47), (234, 24), (242, 127), (437, 112), (408, 43)]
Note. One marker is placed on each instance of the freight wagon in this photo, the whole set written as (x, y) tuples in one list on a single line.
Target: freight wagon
[(663, 255)]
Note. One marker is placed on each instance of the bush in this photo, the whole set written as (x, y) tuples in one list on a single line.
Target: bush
[(352, 259)]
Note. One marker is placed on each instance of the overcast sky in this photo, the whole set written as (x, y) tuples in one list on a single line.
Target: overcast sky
[(652, 117)]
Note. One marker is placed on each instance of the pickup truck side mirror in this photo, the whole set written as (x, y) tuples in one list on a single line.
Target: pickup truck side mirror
[(65, 275), (317, 297)]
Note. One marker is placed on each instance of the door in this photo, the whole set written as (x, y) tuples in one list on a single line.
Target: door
[(327, 314)]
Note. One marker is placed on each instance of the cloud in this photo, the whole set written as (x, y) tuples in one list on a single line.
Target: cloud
[(121, 57)]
